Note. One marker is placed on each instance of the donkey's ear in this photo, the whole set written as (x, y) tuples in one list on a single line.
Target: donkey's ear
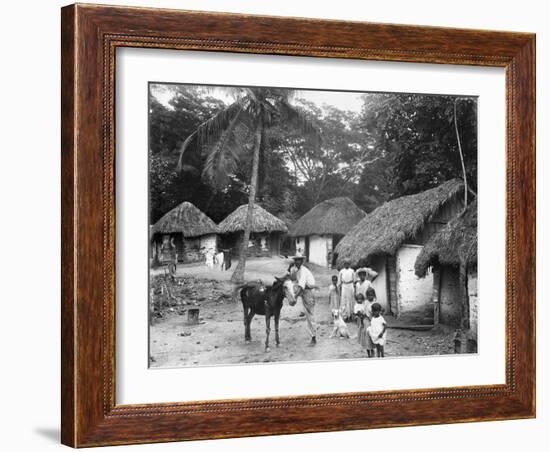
[(277, 279)]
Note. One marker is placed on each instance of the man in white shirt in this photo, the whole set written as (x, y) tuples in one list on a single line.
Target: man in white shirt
[(306, 283)]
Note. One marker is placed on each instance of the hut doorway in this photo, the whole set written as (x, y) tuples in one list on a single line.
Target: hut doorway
[(414, 294), (306, 251)]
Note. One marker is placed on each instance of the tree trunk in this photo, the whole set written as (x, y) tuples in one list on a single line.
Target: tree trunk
[(238, 274), (461, 157)]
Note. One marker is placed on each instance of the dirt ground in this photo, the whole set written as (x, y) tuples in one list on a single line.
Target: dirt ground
[(219, 337)]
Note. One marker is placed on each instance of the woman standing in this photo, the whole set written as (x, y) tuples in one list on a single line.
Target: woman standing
[(347, 290)]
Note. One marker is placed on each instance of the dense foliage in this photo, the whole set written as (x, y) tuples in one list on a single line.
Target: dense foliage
[(397, 144)]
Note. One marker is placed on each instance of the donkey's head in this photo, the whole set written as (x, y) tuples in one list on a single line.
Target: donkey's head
[(285, 287)]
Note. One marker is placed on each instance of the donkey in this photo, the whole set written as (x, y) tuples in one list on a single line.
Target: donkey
[(267, 301)]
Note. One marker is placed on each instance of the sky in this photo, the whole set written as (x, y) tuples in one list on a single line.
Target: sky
[(342, 100)]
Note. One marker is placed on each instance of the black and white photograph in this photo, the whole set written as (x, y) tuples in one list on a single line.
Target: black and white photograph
[(297, 225)]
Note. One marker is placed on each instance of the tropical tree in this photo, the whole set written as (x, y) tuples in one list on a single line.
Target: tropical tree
[(417, 136), (226, 140)]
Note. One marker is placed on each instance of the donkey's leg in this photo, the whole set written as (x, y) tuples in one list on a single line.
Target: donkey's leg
[(248, 320), (245, 315), (267, 329), (277, 315)]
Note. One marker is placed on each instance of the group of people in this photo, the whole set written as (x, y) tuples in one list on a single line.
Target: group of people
[(220, 260), (352, 297)]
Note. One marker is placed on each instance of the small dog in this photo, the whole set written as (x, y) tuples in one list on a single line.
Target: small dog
[(340, 328)]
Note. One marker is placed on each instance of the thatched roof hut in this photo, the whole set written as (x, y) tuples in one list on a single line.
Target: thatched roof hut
[(262, 221), (383, 230), (333, 216), (187, 220), (455, 244)]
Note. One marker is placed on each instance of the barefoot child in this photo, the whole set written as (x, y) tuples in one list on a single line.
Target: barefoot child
[(361, 316), (371, 299), (377, 329)]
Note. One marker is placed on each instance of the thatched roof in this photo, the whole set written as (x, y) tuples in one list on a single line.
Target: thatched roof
[(384, 229), (456, 243), (262, 221), (333, 216), (188, 220)]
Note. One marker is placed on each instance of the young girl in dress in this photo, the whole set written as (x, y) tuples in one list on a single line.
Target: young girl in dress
[(362, 322), (334, 297), (377, 329)]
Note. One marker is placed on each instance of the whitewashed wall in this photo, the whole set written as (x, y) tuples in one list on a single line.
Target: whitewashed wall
[(380, 284), (209, 242), (472, 295), (301, 245), (318, 250), (414, 294)]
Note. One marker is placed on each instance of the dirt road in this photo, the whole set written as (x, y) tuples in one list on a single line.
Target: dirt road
[(219, 338)]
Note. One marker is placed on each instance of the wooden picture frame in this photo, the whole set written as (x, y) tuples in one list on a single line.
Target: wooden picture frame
[(90, 36)]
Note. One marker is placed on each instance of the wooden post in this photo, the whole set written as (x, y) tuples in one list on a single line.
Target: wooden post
[(391, 272), (436, 294), (193, 316)]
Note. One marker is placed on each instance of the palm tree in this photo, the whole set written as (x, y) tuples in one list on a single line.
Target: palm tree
[(228, 137)]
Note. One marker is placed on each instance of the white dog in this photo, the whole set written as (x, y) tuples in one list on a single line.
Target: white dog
[(340, 328)]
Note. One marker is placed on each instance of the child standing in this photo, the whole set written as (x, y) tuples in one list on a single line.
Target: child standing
[(362, 323), (334, 296), (371, 299), (377, 329)]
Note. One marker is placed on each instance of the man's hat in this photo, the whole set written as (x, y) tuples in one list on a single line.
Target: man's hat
[(369, 272), (298, 257)]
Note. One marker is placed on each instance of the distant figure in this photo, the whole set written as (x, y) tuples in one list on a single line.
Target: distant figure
[(347, 291), (209, 258), (226, 258), (220, 260)]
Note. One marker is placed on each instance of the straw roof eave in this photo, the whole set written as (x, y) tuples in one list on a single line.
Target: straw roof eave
[(333, 216), (187, 220), (262, 221), (386, 228)]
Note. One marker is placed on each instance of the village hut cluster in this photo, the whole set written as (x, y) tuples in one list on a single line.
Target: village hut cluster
[(423, 247), (187, 235)]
